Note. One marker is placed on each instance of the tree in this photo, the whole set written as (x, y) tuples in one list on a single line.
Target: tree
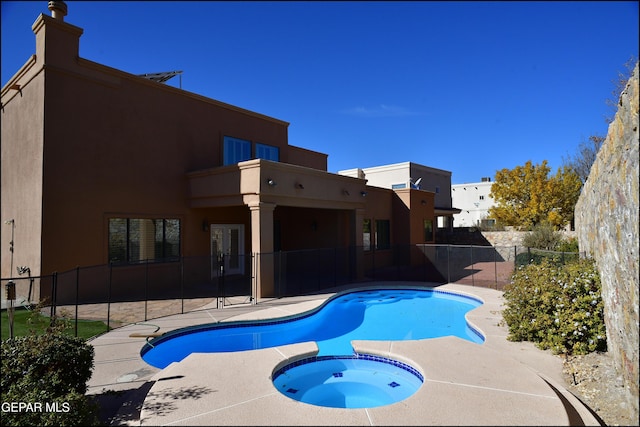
[(564, 191), (587, 151), (619, 84), (526, 195), (585, 156)]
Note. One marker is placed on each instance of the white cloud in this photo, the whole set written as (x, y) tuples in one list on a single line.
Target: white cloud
[(381, 110)]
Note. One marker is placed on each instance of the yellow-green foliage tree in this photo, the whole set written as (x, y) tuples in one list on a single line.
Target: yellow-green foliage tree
[(527, 195)]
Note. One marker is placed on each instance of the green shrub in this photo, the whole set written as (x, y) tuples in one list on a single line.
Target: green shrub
[(50, 372), (542, 236), (557, 307), (568, 245)]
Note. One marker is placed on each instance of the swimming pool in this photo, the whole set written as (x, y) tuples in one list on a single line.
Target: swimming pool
[(336, 376), (369, 314)]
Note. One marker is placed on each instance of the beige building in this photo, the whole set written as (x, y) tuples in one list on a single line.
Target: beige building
[(474, 201), (103, 167), (402, 175)]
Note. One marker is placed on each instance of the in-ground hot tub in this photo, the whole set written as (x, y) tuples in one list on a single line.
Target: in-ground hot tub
[(359, 381)]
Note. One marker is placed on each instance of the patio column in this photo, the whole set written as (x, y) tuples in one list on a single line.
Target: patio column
[(262, 249)]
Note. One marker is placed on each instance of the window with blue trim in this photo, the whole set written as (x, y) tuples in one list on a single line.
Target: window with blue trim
[(236, 150), (267, 152)]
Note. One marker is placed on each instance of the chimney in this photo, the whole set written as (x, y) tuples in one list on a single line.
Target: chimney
[(58, 9), (57, 42)]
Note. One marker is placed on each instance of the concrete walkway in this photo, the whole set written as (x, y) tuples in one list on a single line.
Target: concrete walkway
[(495, 383)]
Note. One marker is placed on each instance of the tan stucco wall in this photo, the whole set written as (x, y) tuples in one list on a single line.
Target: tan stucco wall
[(22, 160)]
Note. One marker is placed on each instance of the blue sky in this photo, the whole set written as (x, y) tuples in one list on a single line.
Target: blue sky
[(469, 87)]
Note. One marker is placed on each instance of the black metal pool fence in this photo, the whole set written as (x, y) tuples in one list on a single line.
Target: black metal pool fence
[(133, 293)]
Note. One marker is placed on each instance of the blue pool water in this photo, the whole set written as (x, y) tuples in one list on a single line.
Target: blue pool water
[(359, 381), (373, 314)]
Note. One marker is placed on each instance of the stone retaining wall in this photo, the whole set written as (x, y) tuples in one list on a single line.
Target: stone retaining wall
[(607, 226)]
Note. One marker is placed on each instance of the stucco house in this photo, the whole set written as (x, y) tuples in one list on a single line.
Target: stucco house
[(413, 175), (103, 167), (474, 201)]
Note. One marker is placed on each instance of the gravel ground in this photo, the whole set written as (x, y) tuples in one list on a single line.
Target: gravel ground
[(593, 378)]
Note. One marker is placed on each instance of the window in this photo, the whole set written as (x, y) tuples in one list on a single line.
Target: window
[(267, 152), (397, 186), (438, 190), (366, 234), (236, 150), (428, 230), (133, 240), (481, 197), (383, 234)]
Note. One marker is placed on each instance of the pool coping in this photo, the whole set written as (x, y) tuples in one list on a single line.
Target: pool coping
[(495, 383)]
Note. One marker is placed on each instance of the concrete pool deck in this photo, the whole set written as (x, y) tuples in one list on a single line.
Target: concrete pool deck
[(495, 383)]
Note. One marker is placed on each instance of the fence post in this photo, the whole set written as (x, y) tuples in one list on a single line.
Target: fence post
[(495, 265), (182, 283), (54, 290), (11, 297), (473, 283), (221, 290), (373, 262), (77, 297), (109, 296), (335, 266), (279, 293), (448, 262), (254, 277), (146, 287)]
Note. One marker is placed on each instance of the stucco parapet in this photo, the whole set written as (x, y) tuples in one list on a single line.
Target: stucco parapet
[(64, 26), (271, 166), (168, 88)]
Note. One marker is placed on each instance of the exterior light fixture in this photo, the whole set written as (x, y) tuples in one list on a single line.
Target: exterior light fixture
[(423, 202), (271, 182), (300, 186), (363, 193)]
